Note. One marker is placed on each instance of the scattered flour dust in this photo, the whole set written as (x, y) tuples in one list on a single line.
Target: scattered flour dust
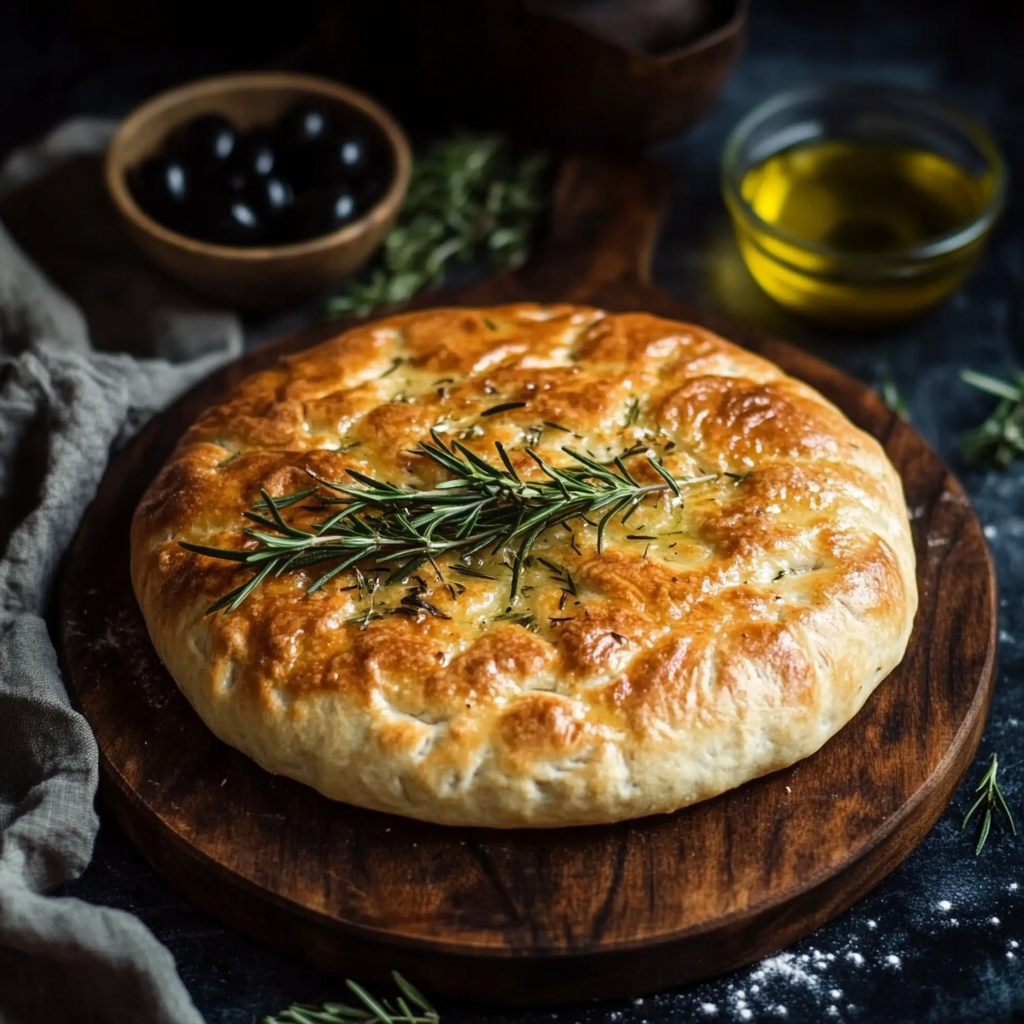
[(820, 978), (809, 983), (779, 979)]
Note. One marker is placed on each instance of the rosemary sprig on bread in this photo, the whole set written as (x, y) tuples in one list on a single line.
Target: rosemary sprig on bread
[(479, 506)]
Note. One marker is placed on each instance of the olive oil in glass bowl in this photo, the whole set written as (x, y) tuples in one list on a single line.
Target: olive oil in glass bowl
[(860, 206)]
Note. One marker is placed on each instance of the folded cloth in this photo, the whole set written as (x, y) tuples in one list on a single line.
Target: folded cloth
[(63, 407)]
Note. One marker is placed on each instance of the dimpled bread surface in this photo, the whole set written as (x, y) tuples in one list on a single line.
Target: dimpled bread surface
[(716, 637)]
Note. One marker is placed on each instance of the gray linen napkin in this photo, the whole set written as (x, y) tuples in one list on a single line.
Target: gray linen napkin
[(63, 407)]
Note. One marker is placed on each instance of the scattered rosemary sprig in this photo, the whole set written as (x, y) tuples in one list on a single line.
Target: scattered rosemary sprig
[(1000, 439), (479, 506), (993, 799), (470, 201), (411, 1007), (891, 396)]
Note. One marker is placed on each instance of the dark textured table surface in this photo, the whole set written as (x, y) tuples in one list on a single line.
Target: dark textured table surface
[(943, 937)]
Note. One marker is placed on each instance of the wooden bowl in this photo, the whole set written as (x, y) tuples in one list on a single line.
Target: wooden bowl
[(261, 277), (548, 77)]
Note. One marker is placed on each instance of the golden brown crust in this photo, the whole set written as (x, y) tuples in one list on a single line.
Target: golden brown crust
[(755, 624)]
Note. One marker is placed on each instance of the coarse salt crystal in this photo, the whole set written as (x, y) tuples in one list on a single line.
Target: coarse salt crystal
[(944, 905), (894, 960), (710, 1009), (855, 958)]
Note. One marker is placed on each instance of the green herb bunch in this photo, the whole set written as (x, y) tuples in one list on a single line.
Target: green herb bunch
[(470, 201), (1000, 439), (480, 506)]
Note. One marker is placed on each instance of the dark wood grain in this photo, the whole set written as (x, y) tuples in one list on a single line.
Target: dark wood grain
[(542, 916)]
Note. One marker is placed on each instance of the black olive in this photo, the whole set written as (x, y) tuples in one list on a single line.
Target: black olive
[(206, 143), (225, 220), (254, 155), (236, 184), (336, 159), (163, 188), (353, 153), (271, 195), (320, 211), (303, 125)]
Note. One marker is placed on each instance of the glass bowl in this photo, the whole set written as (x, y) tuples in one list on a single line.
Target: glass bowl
[(859, 206)]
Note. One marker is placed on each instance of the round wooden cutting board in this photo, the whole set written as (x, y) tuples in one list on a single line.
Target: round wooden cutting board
[(541, 916)]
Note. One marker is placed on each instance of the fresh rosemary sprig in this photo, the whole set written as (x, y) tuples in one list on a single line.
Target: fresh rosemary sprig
[(480, 506), (470, 201), (411, 1007), (993, 799), (1000, 439)]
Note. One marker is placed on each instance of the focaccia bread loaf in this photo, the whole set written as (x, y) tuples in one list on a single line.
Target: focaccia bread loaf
[(715, 638)]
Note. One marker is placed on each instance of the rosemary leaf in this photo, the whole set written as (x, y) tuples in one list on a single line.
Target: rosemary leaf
[(413, 994), (526, 620), (468, 571), (504, 407), (369, 1002), (561, 575)]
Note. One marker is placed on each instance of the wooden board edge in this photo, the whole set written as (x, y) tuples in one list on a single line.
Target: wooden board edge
[(467, 973)]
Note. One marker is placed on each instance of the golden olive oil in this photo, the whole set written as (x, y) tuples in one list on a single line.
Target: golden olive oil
[(845, 215)]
